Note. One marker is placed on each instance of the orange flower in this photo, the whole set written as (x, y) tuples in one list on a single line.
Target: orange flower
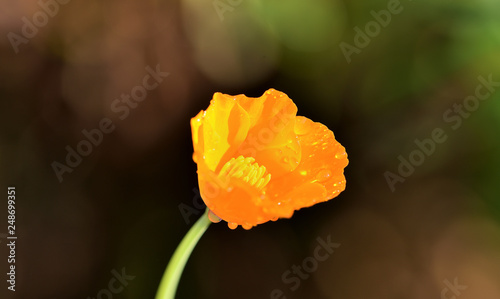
[(258, 161)]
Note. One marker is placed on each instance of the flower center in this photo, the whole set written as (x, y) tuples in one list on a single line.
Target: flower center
[(246, 170)]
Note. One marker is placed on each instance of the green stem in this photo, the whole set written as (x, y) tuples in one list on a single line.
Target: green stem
[(170, 280)]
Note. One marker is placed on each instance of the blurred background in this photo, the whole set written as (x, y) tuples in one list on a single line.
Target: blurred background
[(414, 222)]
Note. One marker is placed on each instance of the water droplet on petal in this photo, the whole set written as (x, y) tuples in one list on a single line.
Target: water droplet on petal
[(247, 226), (294, 161), (212, 217), (303, 126), (195, 158), (340, 155), (232, 225), (303, 172), (323, 175)]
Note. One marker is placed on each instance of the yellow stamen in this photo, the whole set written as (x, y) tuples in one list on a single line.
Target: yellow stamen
[(246, 170)]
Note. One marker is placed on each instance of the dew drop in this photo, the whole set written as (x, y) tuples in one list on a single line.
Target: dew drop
[(303, 172), (340, 155), (232, 225), (323, 175), (195, 158), (211, 189), (212, 217), (303, 126), (247, 226)]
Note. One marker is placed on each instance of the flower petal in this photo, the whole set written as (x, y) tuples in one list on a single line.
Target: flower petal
[(225, 125), (302, 196), (231, 198), (196, 124), (271, 139), (319, 176)]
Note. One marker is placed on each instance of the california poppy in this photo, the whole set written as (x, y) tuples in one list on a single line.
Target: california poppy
[(257, 161)]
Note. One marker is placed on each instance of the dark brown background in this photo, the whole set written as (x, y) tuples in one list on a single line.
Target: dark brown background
[(119, 208)]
